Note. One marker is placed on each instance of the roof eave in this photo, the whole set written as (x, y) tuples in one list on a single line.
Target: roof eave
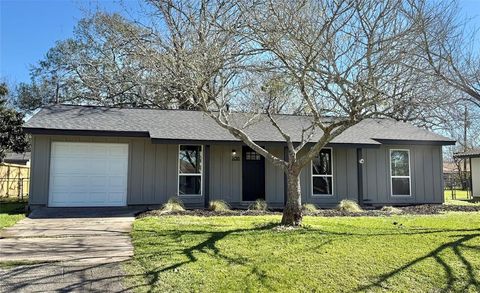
[(415, 142), (466, 156), (85, 132)]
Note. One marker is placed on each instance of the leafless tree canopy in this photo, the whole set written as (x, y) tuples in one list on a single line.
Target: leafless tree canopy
[(349, 60), (449, 47)]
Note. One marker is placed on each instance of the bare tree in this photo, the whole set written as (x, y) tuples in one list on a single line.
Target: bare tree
[(346, 60), (449, 47)]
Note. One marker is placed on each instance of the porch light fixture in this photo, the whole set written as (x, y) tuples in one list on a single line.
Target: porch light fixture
[(234, 152)]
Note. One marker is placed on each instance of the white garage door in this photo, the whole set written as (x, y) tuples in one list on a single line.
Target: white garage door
[(88, 174)]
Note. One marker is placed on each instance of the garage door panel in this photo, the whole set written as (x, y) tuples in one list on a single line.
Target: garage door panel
[(74, 198), (117, 167), (98, 167), (70, 181), (98, 197), (99, 182), (78, 196), (99, 150), (116, 181), (88, 174), (117, 151), (70, 166), (115, 196)]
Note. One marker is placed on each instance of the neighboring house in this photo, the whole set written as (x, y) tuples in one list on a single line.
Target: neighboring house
[(473, 157), (93, 156), (18, 159)]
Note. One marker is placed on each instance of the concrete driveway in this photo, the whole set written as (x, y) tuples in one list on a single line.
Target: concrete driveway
[(69, 250)]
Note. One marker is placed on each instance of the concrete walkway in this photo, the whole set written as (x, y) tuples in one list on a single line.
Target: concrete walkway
[(70, 250)]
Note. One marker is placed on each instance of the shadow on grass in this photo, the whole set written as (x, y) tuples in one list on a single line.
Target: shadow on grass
[(210, 246), (457, 246)]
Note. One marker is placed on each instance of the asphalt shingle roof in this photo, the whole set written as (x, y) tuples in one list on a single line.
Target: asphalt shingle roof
[(195, 125), (468, 154)]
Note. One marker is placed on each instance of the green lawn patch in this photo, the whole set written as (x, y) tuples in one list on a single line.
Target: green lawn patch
[(11, 212), (461, 198), (252, 254)]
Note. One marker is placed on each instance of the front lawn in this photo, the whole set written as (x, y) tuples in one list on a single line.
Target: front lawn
[(11, 212), (250, 254)]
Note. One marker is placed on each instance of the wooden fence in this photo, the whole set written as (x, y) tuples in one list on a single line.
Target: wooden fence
[(14, 180)]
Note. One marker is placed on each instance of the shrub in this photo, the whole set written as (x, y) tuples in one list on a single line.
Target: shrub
[(219, 206), (174, 204), (309, 208), (258, 205), (391, 210), (349, 206)]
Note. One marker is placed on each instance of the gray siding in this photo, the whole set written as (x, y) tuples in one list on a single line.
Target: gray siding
[(426, 175), (39, 170), (345, 185), (225, 174), (274, 179), (153, 173)]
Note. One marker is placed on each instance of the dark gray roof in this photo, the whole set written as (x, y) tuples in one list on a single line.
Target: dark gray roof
[(195, 125), (468, 154)]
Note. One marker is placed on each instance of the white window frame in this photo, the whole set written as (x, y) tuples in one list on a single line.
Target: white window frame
[(190, 174), (318, 175), (397, 176)]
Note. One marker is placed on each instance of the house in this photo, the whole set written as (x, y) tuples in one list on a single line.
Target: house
[(473, 157), (95, 156)]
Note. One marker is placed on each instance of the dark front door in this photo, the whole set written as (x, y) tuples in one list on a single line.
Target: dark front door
[(253, 165)]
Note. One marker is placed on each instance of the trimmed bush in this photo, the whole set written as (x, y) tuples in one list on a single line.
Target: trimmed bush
[(219, 206), (349, 206), (174, 204), (309, 208), (391, 210), (258, 205)]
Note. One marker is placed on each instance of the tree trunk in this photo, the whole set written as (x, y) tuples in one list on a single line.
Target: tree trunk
[(292, 214)]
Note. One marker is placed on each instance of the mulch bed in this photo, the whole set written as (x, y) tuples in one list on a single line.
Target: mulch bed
[(438, 209), (407, 210), (208, 213)]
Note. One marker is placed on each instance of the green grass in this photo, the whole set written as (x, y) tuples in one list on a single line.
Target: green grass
[(461, 198), (11, 212), (460, 194), (248, 254)]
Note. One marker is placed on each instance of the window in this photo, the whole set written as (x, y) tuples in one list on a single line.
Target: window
[(190, 170), (400, 172), (322, 175), (252, 156)]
